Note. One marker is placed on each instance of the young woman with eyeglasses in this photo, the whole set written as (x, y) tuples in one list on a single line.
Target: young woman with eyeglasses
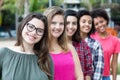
[(29, 59)]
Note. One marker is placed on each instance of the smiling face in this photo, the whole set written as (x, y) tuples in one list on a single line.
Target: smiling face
[(85, 23), (57, 26), (100, 24), (71, 25), (33, 31)]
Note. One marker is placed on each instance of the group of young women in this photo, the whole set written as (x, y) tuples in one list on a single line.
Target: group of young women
[(61, 45)]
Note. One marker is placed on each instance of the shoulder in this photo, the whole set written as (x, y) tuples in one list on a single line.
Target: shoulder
[(3, 49), (114, 38), (92, 41), (70, 46), (95, 44), (72, 49), (3, 52)]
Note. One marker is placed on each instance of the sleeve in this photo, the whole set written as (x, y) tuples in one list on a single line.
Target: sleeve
[(88, 61), (117, 45), (98, 63), (2, 51)]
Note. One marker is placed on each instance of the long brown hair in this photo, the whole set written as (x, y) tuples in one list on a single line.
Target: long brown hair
[(76, 37), (40, 48), (50, 13)]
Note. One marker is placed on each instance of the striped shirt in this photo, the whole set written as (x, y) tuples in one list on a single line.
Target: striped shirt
[(97, 57)]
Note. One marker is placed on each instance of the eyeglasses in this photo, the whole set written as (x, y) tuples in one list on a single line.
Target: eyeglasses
[(31, 27)]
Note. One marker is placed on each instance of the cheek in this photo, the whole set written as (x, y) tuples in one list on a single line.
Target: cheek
[(96, 27), (81, 24), (67, 27), (81, 28), (24, 30), (91, 26), (23, 33), (39, 38)]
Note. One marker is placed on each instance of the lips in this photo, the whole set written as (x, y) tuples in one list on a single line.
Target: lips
[(70, 31), (32, 38)]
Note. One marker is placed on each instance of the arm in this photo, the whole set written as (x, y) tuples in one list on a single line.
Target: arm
[(114, 66), (78, 69), (114, 63), (87, 77)]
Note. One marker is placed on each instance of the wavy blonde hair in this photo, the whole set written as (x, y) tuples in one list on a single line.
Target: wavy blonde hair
[(50, 13)]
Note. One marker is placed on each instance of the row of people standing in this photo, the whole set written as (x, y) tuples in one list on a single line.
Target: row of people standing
[(79, 28), (43, 52), (92, 29)]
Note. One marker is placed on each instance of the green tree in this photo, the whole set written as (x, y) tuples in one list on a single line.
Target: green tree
[(41, 5), (38, 5), (7, 12)]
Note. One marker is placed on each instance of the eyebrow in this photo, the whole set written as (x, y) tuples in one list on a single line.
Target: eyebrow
[(35, 26)]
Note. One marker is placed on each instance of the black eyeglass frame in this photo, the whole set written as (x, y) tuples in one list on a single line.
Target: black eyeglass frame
[(40, 30)]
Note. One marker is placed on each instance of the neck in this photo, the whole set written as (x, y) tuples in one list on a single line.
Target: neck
[(103, 34), (55, 47), (70, 40), (27, 48), (83, 35)]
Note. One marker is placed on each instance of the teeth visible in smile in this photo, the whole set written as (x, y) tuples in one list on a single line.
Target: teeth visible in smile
[(70, 31), (56, 31)]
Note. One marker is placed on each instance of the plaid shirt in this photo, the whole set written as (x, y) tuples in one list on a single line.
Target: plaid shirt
[(85, 57), (97, 56)]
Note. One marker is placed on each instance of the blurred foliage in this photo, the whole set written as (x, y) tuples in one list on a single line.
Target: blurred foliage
[(8, 20), (115, 11), (114, 8), (8, 5), (17, 6), (38, 5), (41, 5), (7, 13)]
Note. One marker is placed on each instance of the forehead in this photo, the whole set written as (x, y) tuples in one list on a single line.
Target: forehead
[(58, 17), (37, 23), (86, 17), (71, 18), (99, 18)]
